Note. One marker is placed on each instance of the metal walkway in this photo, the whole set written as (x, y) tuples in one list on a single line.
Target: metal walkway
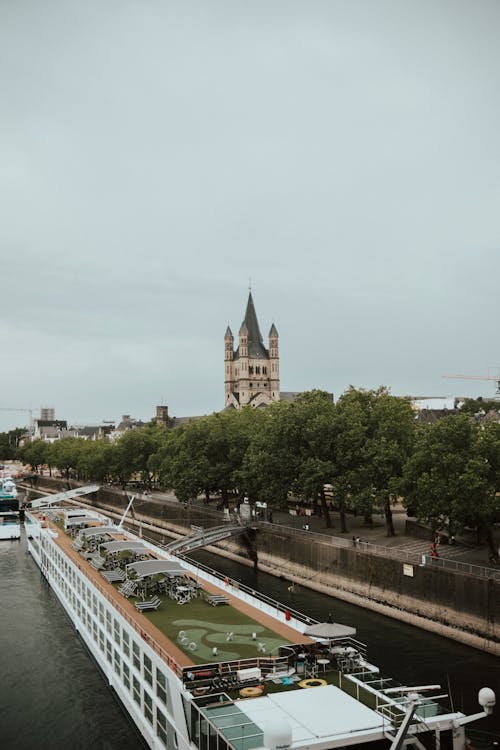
[(60, 497), (203, 537)]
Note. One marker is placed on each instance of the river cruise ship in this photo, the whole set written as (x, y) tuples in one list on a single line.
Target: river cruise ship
[(202, 663)]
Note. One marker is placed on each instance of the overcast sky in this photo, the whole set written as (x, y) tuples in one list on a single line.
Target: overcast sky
[(155, 155)]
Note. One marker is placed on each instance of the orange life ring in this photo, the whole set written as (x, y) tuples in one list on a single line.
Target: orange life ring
[(312, 682), (252, 692)]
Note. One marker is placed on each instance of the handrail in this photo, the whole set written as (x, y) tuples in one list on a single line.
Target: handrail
[(274, 603), (171, 662)]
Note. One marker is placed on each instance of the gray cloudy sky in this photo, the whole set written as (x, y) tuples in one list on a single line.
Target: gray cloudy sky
[(154, 155)]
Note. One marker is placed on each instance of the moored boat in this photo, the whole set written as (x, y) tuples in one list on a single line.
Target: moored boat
[(200, 661), (10, 527)]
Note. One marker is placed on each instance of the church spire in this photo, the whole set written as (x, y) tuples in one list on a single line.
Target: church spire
[(255, 343)]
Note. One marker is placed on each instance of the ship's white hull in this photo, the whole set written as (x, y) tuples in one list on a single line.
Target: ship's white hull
[(10, 528), (148, 689)]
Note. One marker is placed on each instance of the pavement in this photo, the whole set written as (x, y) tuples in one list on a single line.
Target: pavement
[(466, 549)]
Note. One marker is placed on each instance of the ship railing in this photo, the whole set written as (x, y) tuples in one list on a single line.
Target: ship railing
[(164, 655), (246, 593), (170, 661), (268, 665)]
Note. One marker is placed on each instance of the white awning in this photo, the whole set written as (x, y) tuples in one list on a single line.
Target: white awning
[(153, 567), (330, 630)]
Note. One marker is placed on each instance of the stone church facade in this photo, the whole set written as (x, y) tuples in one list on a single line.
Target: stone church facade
[(251, 371)]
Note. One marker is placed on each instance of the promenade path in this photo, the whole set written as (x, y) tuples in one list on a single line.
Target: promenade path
[(465, 550)]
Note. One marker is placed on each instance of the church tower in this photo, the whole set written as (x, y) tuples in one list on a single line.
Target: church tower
[(251, 373)]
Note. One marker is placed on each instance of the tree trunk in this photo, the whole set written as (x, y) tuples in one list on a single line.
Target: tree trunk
[(225, 499), (368, 518), (324, 508), (491, 544), (388, 518), (343, 524)]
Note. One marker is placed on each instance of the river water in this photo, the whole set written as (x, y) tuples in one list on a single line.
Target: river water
[(53, 697)]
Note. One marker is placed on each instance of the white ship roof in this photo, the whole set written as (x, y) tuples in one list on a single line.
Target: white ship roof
[(330, 630), (98, 531), (315, 715), (152, 567)]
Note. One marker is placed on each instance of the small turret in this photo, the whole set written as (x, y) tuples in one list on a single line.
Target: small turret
[(228, 345)]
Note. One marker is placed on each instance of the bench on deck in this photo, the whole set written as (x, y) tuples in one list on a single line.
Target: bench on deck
[(153, 603), (217, 599), (114, 576)]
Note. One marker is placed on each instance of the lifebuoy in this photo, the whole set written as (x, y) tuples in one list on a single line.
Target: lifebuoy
[(312, 682), (252, 692)]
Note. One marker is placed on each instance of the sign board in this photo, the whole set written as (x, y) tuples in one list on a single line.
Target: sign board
[(245, 511), (408, 570)]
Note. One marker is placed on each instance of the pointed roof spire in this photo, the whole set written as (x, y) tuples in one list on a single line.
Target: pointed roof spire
[(256, 346), (228, 334), (273, 332)]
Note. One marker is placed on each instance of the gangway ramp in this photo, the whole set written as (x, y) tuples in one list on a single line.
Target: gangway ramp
[(204, 537), (60, 497)]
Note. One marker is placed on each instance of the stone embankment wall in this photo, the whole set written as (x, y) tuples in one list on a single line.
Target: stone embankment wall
[(455, 605)]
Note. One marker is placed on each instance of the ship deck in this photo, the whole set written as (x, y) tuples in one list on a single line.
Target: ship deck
[(229, 628)]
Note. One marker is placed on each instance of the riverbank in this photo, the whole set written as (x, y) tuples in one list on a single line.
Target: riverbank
[(453, 604)]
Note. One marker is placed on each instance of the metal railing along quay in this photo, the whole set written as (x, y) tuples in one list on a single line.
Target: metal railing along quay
[(394, 553)]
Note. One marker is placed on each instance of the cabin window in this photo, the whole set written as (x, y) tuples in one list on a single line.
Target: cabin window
[(161, 686), (117, 661), (126, 675), (108, 622), (109, 651), (116, 630), (136, 689), (136, 655), (126, 643), (161, 726), (148, 670), (148, 707)]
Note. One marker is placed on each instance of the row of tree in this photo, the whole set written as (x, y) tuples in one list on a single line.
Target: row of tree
[(366, 451)]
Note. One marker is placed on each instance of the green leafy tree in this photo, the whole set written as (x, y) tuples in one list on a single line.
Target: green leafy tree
[(35, 453), (473, 406), (375, 434), (452, 478), (95, 460), (314, 415), (65, 454), (269, 467), (9, 442), (350, 437)]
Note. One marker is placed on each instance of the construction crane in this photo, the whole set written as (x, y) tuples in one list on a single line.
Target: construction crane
[(495, 378), (29, 411)]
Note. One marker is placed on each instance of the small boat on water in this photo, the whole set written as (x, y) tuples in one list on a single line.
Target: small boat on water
[(10, 527), (200, 662)]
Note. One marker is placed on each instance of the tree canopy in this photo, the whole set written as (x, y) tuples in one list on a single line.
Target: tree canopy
[(366, 448)]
